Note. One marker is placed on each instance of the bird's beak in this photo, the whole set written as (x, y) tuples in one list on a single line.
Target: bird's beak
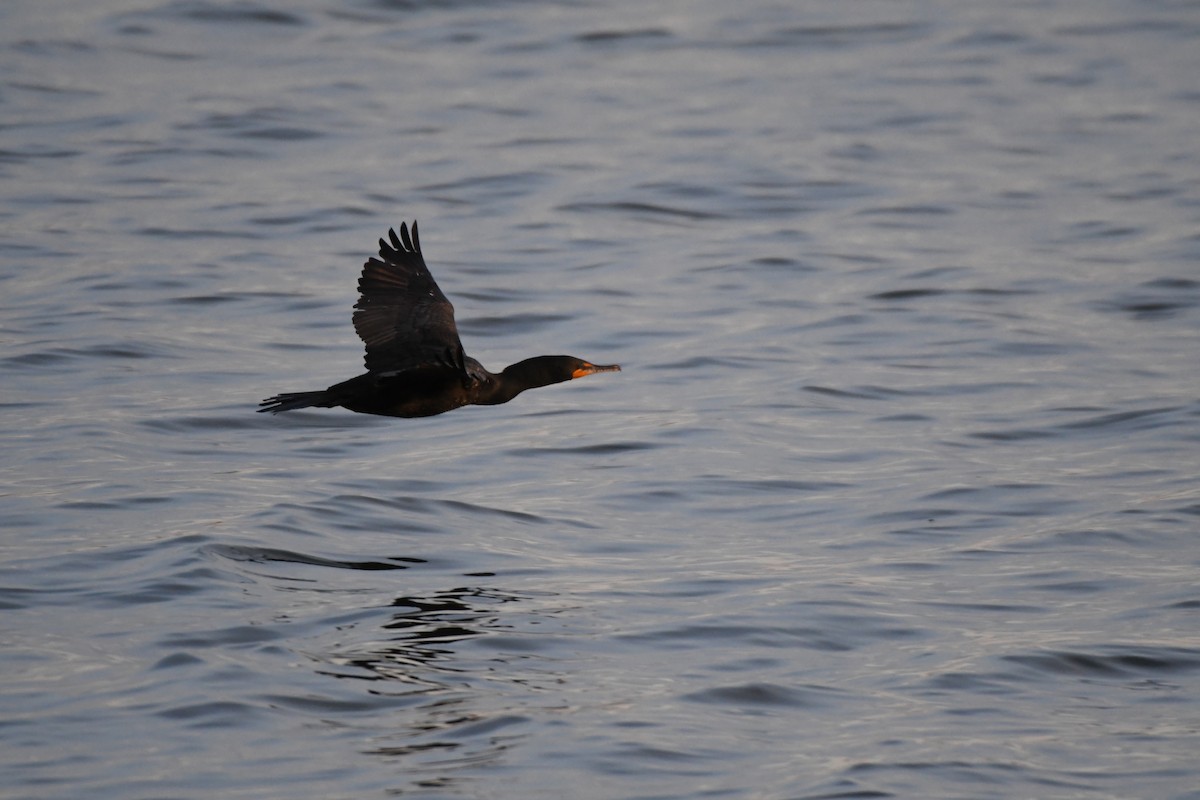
[(588, 369)]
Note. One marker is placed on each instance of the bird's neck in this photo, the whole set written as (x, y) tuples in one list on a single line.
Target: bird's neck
[(516, 378)]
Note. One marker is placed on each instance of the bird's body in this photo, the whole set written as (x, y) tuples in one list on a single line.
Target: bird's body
[(416, 366)]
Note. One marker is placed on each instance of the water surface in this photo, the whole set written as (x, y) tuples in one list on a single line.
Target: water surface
[(895, 497)]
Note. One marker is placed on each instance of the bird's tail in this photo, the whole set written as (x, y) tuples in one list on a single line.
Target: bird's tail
[(290, 401)]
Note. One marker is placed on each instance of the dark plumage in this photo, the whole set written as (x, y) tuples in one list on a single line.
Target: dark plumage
[(416, 366)]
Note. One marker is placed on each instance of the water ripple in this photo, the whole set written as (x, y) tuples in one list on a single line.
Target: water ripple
[(897, 499)]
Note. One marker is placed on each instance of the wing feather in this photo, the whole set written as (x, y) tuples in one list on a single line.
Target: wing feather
[(401, 315)]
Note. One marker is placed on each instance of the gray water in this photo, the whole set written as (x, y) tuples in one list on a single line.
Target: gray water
[(896, 496)]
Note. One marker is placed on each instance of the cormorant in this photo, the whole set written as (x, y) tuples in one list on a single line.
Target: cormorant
[(416, 366)]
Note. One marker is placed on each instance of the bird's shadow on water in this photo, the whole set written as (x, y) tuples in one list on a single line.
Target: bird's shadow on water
[(416, 674)]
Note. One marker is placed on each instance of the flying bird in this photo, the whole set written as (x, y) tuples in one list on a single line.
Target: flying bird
[(416, 366)]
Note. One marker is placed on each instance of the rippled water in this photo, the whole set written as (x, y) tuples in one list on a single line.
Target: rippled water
[(896, 497)]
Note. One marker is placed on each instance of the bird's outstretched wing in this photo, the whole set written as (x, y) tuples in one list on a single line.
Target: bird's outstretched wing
[(401, 315)]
